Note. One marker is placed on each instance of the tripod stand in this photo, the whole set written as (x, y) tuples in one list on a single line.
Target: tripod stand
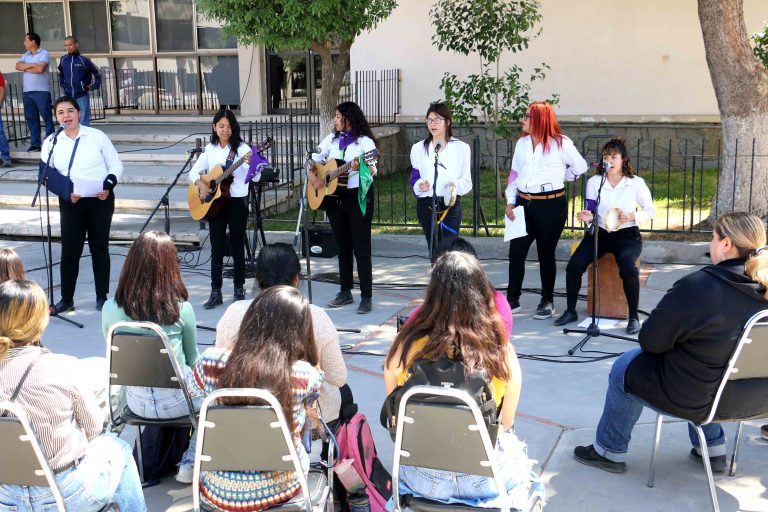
[(302, 234), (164, 200), (43, 180), (593, 330)]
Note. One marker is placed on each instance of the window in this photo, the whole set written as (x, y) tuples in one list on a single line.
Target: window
[(89, 26), (47, 20), (221, 83), (175, 25), (12, 28), (130, 25), (211, 37)]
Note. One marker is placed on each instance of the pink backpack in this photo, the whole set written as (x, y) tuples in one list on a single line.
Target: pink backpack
[(356, 443)]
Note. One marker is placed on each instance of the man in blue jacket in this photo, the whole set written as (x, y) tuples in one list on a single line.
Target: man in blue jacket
[(77, 76)]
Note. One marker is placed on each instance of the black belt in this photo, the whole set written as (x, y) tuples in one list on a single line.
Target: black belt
[(68, 466)]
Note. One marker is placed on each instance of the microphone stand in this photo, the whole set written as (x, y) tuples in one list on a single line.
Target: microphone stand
[(593, 331), (302, 227), (433, 223), (43, 179), (164, 200)]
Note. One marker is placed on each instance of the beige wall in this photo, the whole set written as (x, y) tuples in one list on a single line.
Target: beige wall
[(613, 60)]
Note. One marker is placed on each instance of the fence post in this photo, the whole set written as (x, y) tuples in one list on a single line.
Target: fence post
[(476, 185), (693, 191)]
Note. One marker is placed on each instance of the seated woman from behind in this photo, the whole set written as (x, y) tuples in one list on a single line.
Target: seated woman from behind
[(274, 351), (459, 318), (11, 266), (91, 469)]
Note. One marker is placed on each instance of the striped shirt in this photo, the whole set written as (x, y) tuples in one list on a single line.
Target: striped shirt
[(58, 400)]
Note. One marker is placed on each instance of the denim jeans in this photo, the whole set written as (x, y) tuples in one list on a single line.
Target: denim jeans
[(84, 102), (107, 473), (38, 103), (5, 149), (622, 410), (162, 404)]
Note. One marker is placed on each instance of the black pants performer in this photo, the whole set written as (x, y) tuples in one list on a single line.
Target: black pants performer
[(452, 220), (352, 231), (544, 221), (626, 246), (233, 213), (92, 217)]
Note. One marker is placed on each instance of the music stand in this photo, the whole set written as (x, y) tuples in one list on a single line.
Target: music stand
[(268, 177)]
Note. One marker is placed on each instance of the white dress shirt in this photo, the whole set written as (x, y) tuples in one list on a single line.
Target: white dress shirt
[(453, 168), (627, 195), (95, 158), (214, 155), (329, 148), (534, 171)]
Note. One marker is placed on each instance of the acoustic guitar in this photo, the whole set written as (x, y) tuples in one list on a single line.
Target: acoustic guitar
[(333, 175), (219, 180)]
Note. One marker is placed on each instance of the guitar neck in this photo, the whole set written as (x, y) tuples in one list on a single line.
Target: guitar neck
[(232, 168), (332, 175)]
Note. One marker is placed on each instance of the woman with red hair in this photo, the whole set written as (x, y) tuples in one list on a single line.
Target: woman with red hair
[(544, 160)]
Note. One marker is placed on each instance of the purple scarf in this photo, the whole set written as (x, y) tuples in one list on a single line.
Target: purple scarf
[(346, 139)]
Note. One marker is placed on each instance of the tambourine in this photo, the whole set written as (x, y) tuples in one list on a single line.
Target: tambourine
[(450, 197), (611, 219)]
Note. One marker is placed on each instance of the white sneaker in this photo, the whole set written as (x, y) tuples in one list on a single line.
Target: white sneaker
[(185, 473)]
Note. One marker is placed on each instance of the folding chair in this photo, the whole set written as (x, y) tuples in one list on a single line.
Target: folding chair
[(745, 381), (448, 436), (253, 438), (140, 354), (29, 467)]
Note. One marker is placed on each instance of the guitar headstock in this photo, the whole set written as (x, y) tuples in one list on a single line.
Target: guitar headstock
[(370, 156), (264, 145)]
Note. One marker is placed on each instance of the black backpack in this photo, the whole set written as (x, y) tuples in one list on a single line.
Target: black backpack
[(443, 372)]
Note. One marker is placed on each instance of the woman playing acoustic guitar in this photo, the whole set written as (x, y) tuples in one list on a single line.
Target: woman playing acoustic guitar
[(225, 147)]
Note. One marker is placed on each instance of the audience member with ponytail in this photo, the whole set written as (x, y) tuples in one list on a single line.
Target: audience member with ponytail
[(686, 344), (11, 266)]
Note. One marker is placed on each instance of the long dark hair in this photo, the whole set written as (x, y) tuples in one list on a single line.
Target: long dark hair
[(277, 264), (459, 318), (354, 116), (276, 331), (150, 286), (234, 139), (617, 146), (443, 111)]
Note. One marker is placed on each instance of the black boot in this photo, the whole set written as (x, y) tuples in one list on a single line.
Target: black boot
[(239, 293), (214, 300)]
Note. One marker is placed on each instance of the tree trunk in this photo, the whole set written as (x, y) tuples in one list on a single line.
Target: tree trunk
[(332, 79), (741, 86)]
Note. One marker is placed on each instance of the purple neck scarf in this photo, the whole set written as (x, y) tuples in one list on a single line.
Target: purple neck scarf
[(346, 139)]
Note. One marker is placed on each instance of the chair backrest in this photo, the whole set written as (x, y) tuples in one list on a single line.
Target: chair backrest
[(22, 461), (140, 354), (245, 438), (444, 436), (746, 374)]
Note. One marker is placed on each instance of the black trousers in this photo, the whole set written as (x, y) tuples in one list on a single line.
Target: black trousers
[(233, 214), (450, 225), (352, 231), (544, 221), (625, 245), (92, 217)]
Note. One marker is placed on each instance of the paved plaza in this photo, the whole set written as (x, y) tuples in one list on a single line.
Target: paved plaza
[(560, 403)]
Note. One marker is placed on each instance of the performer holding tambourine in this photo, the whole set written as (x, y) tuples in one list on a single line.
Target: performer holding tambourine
[(453, 174), (618, 218)]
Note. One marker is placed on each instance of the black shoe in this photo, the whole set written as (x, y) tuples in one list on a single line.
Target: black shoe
[(365, 306), (7, 162), (633, 326), (587, 455), (764, 432), (32, 149), (100, 303), (718, 464), (341, 299), (515, 305), (239, 293), (566, 318), (545, 310), (214, 300), (62, 307)]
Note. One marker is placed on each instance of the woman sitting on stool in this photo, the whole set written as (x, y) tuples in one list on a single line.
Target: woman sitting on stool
[(625, 191)]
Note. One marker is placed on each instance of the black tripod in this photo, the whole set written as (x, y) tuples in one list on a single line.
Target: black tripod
[(164, 200), (43, 180), (255, 191), (593, 331)]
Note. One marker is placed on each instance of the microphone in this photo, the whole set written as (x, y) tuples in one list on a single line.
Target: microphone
[(194, 151), (603, 167), (438, 146), (59, 130)]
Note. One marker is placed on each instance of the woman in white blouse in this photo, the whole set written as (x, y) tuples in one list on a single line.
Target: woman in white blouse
[(91, 161), (544, 160), (625, 191), (453, 174), (225, 147)]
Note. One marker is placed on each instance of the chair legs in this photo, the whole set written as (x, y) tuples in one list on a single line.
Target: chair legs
[(140, 454), (732, 471), (654, 450), (707, 467)]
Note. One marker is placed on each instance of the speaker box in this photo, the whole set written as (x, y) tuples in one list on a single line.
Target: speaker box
[(321, 243)]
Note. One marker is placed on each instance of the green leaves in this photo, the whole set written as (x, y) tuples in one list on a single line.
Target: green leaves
[(760, 40)]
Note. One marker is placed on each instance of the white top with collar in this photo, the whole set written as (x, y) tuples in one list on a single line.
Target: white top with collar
[(214, 155), (453, 167), (95, 158), (534, 171), (627, 195), (329, 148)]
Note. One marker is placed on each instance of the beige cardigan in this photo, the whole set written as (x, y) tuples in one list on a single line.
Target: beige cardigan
[(328, 351)]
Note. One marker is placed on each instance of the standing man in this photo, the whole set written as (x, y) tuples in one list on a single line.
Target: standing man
[(77, 76), (37, 91), (5, 150)]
